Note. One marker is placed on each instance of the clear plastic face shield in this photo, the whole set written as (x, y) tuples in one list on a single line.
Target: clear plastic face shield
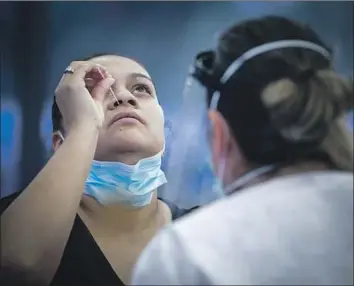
[(189, 166)]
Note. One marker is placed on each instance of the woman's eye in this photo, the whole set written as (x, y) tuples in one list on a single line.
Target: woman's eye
[(142, 88)]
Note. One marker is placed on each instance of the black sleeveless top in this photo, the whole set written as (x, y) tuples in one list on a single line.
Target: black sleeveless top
[(83, 262)]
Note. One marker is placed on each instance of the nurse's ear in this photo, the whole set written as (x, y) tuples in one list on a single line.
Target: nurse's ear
[(227, 156), (219, 138)]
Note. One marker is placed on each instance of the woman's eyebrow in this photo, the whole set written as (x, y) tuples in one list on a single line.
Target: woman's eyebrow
[(140, 75)]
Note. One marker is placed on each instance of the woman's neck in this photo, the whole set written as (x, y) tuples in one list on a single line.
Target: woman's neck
[(120, 218)]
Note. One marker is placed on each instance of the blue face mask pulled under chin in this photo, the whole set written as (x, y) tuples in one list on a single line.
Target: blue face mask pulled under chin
[(133, 185)]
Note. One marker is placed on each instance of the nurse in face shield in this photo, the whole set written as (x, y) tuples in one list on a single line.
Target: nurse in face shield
[(276, 131)]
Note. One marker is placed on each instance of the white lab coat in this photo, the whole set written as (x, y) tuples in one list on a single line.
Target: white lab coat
[(294, 230)]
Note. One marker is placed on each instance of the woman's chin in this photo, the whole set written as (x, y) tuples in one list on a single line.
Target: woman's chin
[(130, 142), (129, 138)]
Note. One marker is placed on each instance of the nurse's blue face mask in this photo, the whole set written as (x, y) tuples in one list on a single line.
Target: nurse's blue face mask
[(118, 183), (195, 126)]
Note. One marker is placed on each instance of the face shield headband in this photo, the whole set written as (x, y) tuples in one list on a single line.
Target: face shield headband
[(202, 70)]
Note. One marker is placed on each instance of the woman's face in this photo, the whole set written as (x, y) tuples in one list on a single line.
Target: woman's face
[(128, 140)]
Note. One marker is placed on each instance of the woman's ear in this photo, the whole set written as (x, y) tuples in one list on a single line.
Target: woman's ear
[(219, 137), (57, 140)]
